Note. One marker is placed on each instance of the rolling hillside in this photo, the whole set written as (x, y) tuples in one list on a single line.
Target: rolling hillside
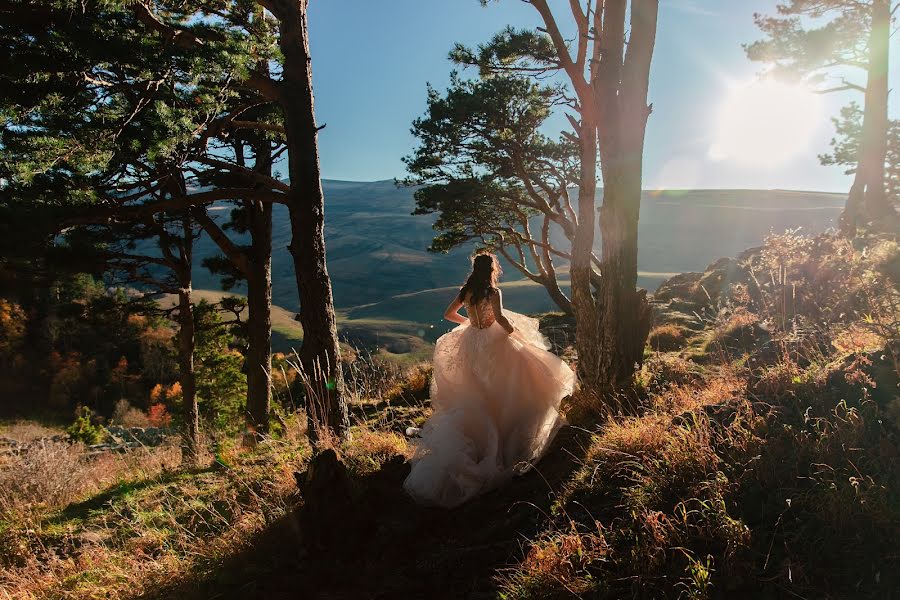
[(390, 291)]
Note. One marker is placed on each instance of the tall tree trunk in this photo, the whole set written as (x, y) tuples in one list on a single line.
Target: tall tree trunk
[(326, 400), (868, 199), (587, 337), (624, 314), (186, 375), (259, 301), (259, 325)]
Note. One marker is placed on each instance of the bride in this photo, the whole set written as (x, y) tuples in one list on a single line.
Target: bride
[(495, 393)]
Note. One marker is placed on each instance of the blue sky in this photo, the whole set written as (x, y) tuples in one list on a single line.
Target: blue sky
[(371, 61)]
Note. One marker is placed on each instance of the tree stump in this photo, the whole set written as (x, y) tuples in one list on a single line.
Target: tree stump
[(327, 514)]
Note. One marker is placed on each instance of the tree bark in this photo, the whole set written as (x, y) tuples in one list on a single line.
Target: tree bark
[(186, 375), (326, 400), (259, 325), (868, 199), (551, 281), (587, 337), (584, 308), (624, 314)]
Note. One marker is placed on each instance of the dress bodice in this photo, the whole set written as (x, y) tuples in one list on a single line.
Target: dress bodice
[(481, 313)]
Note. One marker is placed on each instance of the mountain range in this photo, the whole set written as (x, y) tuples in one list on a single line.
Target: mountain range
[(390, 291)]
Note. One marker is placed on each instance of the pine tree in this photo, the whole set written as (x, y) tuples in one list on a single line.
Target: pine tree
[(212, 87), (291, 91), (485, 167), (846, 148), (608, 82), (108, 116)]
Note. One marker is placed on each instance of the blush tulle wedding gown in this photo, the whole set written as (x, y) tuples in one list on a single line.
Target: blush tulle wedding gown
[(496, 408)]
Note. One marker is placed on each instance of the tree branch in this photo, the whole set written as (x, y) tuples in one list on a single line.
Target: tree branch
[(270, 182), (565, 58), (237, 256)]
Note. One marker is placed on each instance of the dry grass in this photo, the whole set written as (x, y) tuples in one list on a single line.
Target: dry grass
[(123, 524), (721, 387), (27, 431), (667, 338), (648, 489), (52, 474), (739, 333), (767, 478), (370, 448), (413, 386), (557, 560)]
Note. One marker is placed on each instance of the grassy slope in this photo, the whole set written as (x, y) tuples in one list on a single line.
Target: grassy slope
[(395, 337)]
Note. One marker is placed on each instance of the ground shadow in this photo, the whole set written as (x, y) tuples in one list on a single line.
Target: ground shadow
[(82, 510), (410, 552)]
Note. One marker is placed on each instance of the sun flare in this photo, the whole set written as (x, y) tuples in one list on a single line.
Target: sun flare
[(765, 123)]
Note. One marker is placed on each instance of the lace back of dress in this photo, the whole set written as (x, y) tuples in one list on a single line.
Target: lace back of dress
[(481, 313)]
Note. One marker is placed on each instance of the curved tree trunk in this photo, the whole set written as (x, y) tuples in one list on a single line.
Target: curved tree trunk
[(551, 284), (551, 281), (326, 400), (868, 199)]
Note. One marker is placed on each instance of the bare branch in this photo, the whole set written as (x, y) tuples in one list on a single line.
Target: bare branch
[(571, 69)]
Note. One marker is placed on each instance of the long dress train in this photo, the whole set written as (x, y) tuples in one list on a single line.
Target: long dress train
[(496, 409)]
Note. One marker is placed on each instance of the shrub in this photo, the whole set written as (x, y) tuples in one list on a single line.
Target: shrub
[(126, 415), (84, 430), (158, 416)]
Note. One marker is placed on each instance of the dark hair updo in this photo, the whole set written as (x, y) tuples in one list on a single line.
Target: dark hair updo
[(483, 279)]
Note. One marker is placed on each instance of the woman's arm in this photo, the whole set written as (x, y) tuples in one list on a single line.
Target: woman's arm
[(452, 312), (497, 305)]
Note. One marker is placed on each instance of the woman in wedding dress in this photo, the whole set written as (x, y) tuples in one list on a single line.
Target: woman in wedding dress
[(495, 393)]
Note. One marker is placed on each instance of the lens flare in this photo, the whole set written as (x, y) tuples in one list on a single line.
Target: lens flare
[(765, 123)]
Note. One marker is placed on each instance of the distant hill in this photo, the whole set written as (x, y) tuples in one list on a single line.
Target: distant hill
[(390, 290)]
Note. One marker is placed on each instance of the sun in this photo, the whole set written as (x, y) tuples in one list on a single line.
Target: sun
[(765, 123)]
